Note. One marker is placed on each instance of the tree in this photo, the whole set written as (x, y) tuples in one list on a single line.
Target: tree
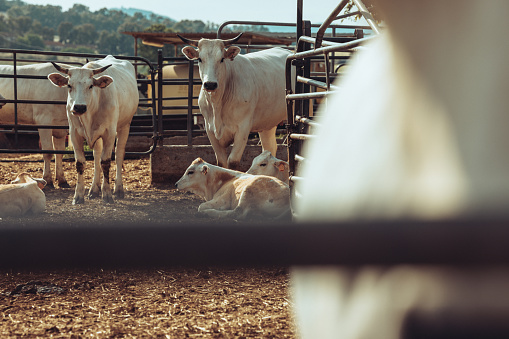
[(32, 41), (64, 30), (20, 24)]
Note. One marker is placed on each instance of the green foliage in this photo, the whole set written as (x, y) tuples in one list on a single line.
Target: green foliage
[(80, 30)]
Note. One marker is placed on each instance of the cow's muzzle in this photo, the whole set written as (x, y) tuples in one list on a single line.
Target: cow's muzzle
[(210, 86), (79, 109)]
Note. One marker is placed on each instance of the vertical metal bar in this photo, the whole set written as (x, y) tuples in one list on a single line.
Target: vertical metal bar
[(190, 87), (160, 93), (327, 22), (307, 70), (15, 84)]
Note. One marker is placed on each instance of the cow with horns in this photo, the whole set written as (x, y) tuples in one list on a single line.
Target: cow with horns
[(99, 110), (240, 94)]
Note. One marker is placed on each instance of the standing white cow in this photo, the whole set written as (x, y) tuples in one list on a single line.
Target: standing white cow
[(99, 110), (418, 132), (39, 114), (240, 94)]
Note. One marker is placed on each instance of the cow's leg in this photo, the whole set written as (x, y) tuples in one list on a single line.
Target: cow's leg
[(45, 137), (220, 151), (59, 144), (122, 136), (268, 139), (109, 142), (239, 144), (95, 189), (79, 155)]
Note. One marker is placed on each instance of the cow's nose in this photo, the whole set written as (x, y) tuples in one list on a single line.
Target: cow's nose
[(210, 86), (79, 109)]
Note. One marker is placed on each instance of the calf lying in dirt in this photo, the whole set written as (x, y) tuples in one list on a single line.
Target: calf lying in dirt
[(267, 164), (234, 194), (23, 195)]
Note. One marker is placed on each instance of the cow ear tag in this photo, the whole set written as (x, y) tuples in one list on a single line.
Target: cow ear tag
[(281, 167)]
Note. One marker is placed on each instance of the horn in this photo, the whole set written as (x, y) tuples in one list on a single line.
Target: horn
[(193, 43), (232, 41), (60, 68), (100, 70)]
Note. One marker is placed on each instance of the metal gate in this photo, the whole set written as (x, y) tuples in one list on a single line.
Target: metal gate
[(317, 85)]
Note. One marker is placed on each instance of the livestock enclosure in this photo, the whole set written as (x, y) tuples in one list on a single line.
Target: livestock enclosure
[(150, 265)]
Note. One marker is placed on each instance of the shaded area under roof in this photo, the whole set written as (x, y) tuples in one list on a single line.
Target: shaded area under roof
[(248, 38)]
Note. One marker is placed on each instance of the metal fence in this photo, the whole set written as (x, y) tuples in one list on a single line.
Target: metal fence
[(312, 86), (17, 57)]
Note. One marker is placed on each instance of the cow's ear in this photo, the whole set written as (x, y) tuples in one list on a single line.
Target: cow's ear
[(40, 182), (190, 52), (281, 165), (103, 81), (58, 79), (205, 169), (232, 52)]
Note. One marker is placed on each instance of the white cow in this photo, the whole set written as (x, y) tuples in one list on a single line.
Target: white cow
[(39, 114), (267, 164), (240, 94), (99, 110), (23, 195), (419, 130), (234, 194)]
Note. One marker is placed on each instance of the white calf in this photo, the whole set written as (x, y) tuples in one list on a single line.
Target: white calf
[(23, 195), (267, 164), (234, 194)]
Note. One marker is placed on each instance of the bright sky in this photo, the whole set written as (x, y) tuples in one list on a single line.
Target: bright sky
[(216, 11)]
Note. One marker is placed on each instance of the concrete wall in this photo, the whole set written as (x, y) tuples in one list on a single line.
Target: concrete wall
[(168, 163)]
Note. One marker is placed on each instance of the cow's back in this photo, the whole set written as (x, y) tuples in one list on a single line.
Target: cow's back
[(33, 89), (19, 199)]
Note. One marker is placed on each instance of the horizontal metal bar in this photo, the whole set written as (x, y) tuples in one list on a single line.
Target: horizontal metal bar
[(304, 96), (329, 49), (42, 102), (297, 136), (306, 121), (299, 158), (464, 243), (294, 178), (33, 127), (315, 83)]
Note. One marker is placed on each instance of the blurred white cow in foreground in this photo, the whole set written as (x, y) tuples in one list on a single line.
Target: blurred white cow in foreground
[(234, 194), (267, 164), (39, 114), (23, 195), (240, 94), (419, 130), (99, 110)]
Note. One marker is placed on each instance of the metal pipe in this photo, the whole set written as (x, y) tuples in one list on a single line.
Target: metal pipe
[(305, 96), (367, 15), (306, 121), (299, 136), (328, 21), (316, 83)]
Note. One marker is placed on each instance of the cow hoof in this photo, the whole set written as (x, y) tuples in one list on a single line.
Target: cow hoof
[(49, 184), (78, 200), (119, 194), (64, 185), (108, 199)]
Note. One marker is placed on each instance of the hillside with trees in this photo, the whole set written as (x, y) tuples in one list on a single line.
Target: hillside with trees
[(47, 27)]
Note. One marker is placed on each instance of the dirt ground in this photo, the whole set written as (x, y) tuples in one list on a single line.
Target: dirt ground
[(174, 303)]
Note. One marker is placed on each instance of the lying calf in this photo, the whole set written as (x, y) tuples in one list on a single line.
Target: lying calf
[(23, 195), (235, 194), (267, 164)]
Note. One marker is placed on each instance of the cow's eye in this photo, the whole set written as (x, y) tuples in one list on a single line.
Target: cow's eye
[(190, 172), (222, 59), (263, 165), (91, 86)]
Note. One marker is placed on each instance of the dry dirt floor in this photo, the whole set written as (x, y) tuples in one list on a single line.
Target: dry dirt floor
[(204, 302)]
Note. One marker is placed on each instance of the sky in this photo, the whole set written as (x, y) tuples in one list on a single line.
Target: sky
[(215, 11)]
